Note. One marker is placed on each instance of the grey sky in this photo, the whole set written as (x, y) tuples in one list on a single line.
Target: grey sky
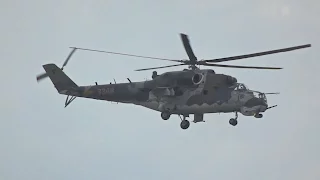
[(98, 140)]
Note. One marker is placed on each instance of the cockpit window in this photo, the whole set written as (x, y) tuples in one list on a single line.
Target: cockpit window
[(240, 87)]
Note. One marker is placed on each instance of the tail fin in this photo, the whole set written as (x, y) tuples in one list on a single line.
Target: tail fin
[(59, 79)]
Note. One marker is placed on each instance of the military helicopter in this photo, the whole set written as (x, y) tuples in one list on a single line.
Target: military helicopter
[(191, 91)]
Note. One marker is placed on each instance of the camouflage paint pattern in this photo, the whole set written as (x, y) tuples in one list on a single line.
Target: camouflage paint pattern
[(180, 92)]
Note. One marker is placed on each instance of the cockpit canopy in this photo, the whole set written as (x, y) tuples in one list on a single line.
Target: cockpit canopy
[(261, 96), (240, 87)]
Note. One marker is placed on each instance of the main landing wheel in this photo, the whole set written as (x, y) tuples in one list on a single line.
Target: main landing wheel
[(184, 124), (165, 115), (233, 122)]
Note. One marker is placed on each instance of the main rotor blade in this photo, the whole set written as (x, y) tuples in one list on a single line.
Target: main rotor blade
[(41, 76), (264, 93), (124, 54), (68, 58), (187, 47), (257, 54), (272, 93), (244, 67), (159, 67)]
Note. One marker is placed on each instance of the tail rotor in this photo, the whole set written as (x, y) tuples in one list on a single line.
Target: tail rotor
[(45, 75)]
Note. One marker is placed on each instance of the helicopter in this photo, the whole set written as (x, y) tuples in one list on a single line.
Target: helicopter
[(191, 91)]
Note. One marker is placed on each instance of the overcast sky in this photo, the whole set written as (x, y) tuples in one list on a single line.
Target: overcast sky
[(40, 139)]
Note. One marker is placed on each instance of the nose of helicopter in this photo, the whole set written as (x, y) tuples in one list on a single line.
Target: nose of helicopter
[(256, 102)]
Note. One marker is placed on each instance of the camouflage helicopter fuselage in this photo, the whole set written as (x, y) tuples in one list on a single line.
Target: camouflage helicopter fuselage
[(191, 91), (179, 92)]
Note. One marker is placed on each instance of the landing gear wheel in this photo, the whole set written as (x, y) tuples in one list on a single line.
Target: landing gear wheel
[(233, 122), (258, 116), (184, 124), (165, 115)]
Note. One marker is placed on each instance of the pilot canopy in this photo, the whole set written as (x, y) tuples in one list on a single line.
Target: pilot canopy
[(242, 88)]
